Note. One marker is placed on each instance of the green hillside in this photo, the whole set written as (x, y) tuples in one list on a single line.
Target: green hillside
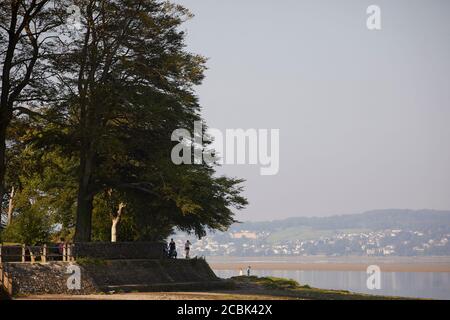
[(303, 233), (371, 220)]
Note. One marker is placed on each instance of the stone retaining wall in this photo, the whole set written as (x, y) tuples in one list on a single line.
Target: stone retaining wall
[(110, 275), (46, 278), (139, 272)]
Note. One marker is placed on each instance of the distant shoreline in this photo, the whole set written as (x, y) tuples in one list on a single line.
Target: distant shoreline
[(400, 264)]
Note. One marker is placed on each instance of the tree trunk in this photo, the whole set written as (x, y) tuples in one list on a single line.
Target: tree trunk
[(114, 229), (85, 198), (10, 207), (3, 125), (5, 106), (115, 222), (85, 193), (84, 217), (2, 170)]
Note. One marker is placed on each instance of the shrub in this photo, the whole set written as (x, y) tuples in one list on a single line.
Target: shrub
[(30, 227)]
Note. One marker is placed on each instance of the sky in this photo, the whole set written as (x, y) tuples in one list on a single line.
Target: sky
[(364, 115)]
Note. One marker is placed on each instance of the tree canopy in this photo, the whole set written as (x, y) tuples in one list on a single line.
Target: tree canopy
[(87, 153)]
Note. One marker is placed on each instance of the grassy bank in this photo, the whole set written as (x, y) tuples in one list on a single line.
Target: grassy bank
[(281, 287)]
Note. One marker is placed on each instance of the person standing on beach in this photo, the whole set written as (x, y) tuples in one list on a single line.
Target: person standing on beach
[(249, 271), (187, 248)]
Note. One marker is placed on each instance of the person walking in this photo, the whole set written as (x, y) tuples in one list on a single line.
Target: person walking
[(187, 248)]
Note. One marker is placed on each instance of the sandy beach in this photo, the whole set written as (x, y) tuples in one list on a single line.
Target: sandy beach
[(180, 296)]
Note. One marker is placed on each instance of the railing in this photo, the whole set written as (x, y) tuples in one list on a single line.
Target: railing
[(33, 254), (30, 254)]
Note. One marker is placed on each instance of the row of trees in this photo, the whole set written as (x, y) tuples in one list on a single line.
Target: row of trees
[(91, 91)]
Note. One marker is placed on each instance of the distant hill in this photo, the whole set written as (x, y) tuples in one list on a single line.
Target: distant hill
[(379, 232), (420, 220)]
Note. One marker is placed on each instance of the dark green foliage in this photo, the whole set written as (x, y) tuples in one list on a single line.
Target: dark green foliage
[(101, 137), (32, 226)]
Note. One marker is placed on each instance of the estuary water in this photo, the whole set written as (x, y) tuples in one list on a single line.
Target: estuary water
[(434, 285)]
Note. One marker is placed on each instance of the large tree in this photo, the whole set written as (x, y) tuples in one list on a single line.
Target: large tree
[(26, 36), (127, 76), (96, 130)]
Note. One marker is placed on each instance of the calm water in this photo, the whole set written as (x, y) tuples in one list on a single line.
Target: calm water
[(435, 285)]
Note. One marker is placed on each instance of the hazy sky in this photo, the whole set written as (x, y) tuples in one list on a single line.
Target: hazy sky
[(364, 116)]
